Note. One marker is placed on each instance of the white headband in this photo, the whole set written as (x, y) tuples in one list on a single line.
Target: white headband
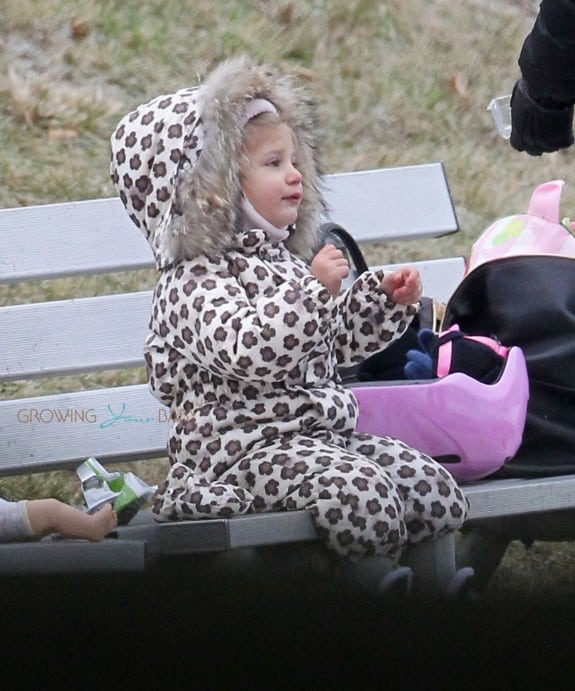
[(257, 106)]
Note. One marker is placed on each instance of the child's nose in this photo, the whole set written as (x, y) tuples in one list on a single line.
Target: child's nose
[(294, 176)]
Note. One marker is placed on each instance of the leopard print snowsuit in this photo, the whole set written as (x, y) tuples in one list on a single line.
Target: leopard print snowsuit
[(245, 343)]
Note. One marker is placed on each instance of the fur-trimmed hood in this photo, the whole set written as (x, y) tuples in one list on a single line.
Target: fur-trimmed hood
[(176, 162)]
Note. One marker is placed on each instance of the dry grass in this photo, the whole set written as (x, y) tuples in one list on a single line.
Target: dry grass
[(400, 82), (397, 83)]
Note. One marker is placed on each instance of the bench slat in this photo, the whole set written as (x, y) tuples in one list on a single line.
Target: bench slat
[(514, 496), (73, 336), (219, 534), (61, 431), (136, 545), (412, 202), (144, 539), (97, 236), (108, 332), (72, 556), (83, 237), (439, 277)]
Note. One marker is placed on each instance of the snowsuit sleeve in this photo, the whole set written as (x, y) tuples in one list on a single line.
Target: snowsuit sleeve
[(370, 320), (547, 58)]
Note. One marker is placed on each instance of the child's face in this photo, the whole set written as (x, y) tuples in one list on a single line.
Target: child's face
[(270, 178)]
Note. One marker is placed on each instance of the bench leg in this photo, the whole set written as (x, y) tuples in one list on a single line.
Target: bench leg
[(433, 564), (483, 550)]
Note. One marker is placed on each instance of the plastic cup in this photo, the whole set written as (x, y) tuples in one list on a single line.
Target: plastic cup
[(500, 109)]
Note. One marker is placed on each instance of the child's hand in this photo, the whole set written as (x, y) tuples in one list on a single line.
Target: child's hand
[(403, 286), (330, 267)]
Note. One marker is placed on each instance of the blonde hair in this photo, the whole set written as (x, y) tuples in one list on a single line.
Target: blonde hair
[(260, 122)]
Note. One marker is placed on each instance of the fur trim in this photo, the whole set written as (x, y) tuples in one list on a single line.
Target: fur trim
[(209, 194), (176, 162)]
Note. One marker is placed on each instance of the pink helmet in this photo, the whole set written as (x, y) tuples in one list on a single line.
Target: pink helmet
[(470, 427)]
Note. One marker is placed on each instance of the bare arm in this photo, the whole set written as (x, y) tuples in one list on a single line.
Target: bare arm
[(52, 516)]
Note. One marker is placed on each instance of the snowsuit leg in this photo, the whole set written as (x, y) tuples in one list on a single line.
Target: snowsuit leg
[(433, 502), (368, 496), (186, 495), (356, 508)]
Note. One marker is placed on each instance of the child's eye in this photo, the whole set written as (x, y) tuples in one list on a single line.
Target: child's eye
[(275, 162)]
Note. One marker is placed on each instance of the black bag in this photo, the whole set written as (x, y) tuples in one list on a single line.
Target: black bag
[(529, 301), (520, 290)]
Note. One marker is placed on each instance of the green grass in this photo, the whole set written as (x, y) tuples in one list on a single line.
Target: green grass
[(397, 83)]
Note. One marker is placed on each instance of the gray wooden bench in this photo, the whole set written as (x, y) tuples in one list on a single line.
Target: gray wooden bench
[(123, 422)]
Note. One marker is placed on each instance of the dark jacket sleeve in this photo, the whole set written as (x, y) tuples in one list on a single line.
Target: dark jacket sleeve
[(547, 59)]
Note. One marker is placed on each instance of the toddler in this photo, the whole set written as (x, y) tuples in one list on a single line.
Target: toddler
[(249, 328)]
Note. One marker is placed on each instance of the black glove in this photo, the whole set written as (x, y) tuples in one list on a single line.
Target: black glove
[(537, 129)]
